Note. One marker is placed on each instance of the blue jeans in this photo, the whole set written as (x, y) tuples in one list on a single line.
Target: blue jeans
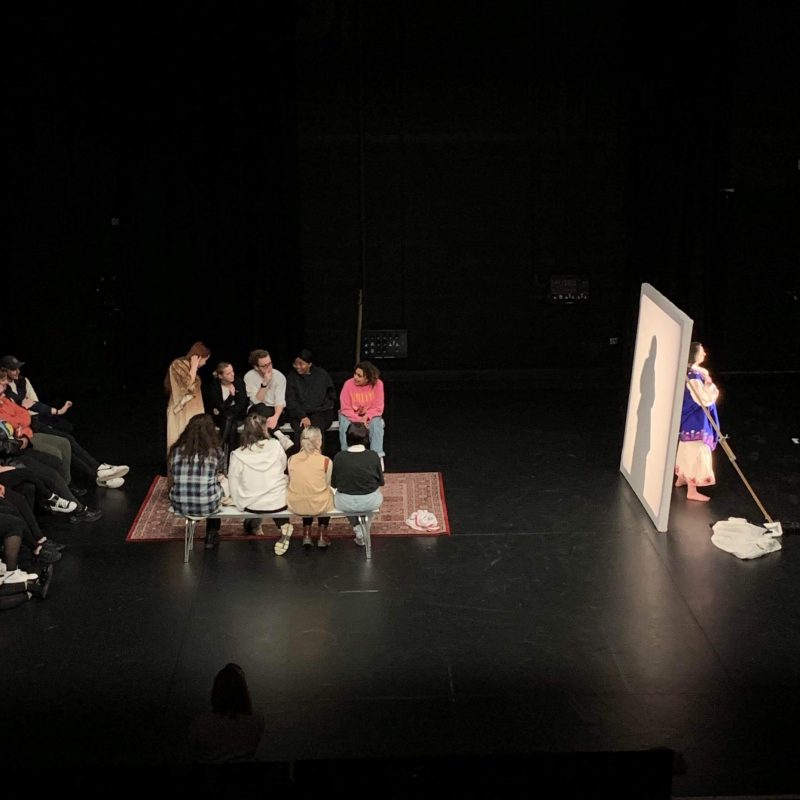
[(358, 503), (375, 428)]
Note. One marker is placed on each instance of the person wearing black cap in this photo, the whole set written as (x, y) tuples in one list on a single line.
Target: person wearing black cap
[(22, 392), (310, 396), (41, 418)]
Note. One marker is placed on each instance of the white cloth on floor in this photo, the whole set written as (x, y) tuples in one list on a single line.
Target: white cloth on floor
[(423, 520), (745, 540)]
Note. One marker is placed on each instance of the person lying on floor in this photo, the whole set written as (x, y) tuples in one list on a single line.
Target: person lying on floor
[(257, 478)]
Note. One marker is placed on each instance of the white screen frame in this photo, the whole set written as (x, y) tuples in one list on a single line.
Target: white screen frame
[(655, 398)]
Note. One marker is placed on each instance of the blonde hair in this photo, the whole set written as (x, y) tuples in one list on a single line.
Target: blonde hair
[(311, 440)]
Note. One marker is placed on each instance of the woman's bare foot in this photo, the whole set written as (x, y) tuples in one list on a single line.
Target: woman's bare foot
[(693, 494), (681, 481)]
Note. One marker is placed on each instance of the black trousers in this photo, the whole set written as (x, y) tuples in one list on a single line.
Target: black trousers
[(14, 506), (82, 461), (266, 411), (319, 419), (228, 434)]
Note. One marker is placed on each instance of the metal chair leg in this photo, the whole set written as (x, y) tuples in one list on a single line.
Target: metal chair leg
[(188, 539), (365, 520)]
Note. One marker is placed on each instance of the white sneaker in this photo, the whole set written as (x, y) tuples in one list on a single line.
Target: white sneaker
[(18, 576), (110, 483), (106, 471), (286, 442), (282, 545), (62, 505)]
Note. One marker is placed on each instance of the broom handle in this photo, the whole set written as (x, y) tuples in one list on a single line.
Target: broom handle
[(728, 452)]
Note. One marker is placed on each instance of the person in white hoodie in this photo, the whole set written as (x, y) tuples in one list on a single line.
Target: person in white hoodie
[(258, 480)]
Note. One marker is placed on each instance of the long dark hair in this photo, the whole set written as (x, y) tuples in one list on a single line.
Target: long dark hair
[(230, 695), (199, 439), (693, 348)]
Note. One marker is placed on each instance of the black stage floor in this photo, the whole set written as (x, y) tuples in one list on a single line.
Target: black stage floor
[(555, 619)]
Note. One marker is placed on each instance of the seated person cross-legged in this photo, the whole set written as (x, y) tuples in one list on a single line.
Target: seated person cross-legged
[(357, 477), (257, 478), (361, 400), (195, 463), (310, 493)]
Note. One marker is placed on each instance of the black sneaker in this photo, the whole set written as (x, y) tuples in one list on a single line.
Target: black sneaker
[(86, 515), (51, 545), (41, 587), (48, 556), (77, 491)]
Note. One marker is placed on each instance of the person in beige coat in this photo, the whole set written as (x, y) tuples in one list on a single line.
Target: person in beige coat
[(309, 493), (182, 385)]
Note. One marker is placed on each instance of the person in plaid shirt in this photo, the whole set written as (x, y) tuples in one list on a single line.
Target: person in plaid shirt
[(196, 462)]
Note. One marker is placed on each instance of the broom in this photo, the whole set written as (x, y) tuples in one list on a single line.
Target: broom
[(770, 523)]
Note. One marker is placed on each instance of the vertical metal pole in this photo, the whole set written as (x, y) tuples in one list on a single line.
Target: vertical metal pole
[(358, 327), (362, 206)]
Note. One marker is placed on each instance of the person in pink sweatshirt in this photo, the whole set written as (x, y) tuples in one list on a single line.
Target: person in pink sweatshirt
[(361, 400)]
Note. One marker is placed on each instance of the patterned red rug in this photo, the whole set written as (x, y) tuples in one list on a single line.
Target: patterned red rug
[(404, 493)]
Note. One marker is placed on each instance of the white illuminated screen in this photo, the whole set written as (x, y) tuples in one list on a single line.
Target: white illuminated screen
[(663, 336)]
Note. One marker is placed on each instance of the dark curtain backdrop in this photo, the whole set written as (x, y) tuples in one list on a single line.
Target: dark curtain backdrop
[(236, 172), (152, 156)]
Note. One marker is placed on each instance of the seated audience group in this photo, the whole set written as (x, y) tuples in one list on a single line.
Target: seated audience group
[(39, 455), (233, 446)]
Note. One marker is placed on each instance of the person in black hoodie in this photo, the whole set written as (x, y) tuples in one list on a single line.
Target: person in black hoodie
[(310, 396)]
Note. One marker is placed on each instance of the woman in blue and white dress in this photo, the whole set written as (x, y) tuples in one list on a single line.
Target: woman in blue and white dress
[(698, 437)]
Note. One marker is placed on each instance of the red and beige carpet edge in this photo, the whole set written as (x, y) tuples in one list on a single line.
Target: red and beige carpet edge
[(403, 494)]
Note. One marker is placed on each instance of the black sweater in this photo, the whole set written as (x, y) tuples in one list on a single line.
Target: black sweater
[(356, 472), (306, 394)]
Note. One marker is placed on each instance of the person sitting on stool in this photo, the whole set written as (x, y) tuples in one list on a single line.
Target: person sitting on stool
[(361, 400), (226, 400), (310, 396)]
